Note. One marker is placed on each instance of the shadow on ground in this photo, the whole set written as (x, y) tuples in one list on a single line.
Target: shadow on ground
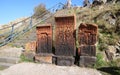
[(110, 70)]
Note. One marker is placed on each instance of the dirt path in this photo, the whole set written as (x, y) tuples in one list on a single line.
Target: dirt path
[(47, 69)]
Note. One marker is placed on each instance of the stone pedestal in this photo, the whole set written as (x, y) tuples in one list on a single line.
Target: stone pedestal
[(87, 50), (43, 58), (87, 61), (64, 60)]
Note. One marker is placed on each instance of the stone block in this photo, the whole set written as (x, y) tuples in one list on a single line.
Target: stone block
[(87, 61), (43, 58), (88, 50), (11, 60), (65, 60)]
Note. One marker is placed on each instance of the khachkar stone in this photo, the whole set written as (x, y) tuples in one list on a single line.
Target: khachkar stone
[(87, 38), (65, 41), (87, 34), (44, 44), (64, 36), (44, 38)]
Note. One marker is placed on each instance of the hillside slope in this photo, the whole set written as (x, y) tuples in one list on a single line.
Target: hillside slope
[(107, 17)]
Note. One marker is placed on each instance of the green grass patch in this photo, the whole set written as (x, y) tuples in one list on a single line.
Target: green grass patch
[(25, 59), (99, 62)]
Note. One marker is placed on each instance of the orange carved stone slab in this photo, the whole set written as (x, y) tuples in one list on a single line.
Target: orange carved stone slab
[(64, 35), (44, 38), (87, 38), (87, 34)]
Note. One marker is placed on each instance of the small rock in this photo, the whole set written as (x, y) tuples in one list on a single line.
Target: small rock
[(110, 52)]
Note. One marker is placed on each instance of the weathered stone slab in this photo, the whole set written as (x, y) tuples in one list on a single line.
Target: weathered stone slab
[(65, 36), (5, 65), (44, 38), (44, 58), (87, 61), (87, 34), (87, 38), (64, 60), (11, 60)]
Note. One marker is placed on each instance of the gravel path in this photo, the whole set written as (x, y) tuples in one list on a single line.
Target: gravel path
[(47, 69)]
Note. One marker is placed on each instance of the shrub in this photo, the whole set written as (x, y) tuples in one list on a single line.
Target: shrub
[(99, 62), (39, 10), (25, 59)]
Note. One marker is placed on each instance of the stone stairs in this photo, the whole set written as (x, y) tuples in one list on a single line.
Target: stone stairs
[(5, 65), (25, 38), (11, 60), (9, 56)]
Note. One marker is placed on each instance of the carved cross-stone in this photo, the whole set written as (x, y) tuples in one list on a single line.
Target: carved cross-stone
[(87, 38), (44, 39), (64, 36)]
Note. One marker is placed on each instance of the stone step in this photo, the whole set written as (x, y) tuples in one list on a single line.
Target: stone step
[(11, 52), (5, 65), (11, 60), (8, 54)]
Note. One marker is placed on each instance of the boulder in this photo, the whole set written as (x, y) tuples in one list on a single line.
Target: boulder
[(110, 53)]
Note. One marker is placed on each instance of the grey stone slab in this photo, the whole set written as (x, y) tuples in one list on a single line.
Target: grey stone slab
[(5, 65), (9, 60), (64, 60), (87, 61)]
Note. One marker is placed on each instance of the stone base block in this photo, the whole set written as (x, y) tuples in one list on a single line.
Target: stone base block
[(64, 60), (44, 58), (87, 61), (88, 50)]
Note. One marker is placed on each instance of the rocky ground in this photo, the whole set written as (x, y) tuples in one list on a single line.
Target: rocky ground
[(47, 69)]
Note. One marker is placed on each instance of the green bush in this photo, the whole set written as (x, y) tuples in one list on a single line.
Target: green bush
[(39, 10), (99, 62), (25, 59)]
